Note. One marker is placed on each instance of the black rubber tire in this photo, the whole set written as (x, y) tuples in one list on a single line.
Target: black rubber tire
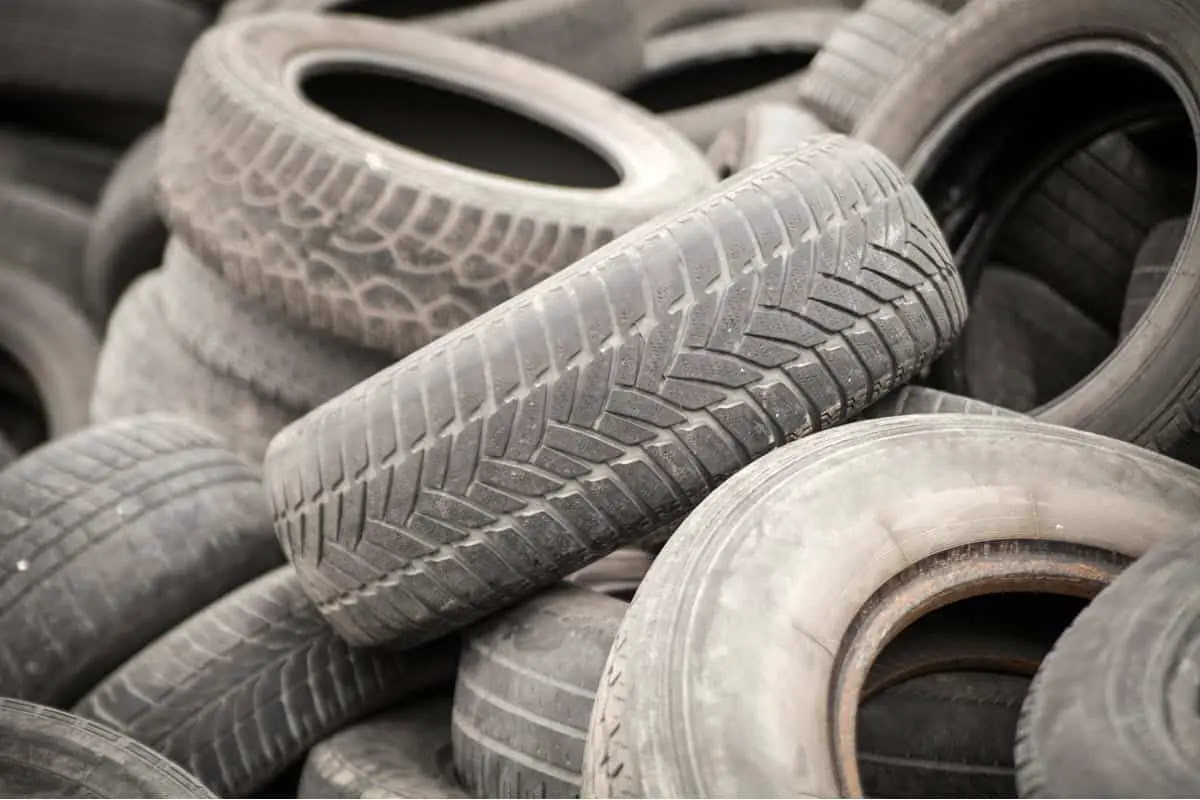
[(725, 44), (44, 235), (644, 375), (870, 48), (402, 753), (145, 368), (244, 688), (618, 574), (47, 753), (73, 168), (288, 365), (594, 39), (527, 680), (766, 130), (1112, 711), (127, 236), (1150, 269), (53, 343), (809, 556), (111, 536), (922, 400), (340, 256)]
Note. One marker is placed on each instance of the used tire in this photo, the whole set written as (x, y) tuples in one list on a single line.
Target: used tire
[(1150, 270), (1112, 710), (705, 78), (526, 683), (940, 119), (241, 690), (343, 230), (602, 405), (658, 17), (922, 400), (617, 575), (766, 130), (111, 536), (44, 235), (47, 753), (783, 567), (72, 168), (127, 236)]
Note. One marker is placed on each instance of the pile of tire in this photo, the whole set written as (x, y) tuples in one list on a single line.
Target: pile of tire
[(602, 398)]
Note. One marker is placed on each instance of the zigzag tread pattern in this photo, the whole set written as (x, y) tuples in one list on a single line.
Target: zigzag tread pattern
[(607, 402)]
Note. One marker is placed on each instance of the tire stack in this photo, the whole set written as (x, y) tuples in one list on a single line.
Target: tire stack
[(559, 398)]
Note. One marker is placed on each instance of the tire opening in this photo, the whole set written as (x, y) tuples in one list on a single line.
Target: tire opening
[(699, 82), (22, 411), (456, 127), (403, 9)]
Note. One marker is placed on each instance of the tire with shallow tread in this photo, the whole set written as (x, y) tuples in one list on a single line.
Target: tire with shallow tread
[(1150, 270), (604, 404)]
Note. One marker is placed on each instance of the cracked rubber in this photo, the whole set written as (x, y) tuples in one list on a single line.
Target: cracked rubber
[(350, 233), (111, 536), (1112, 712), (604, 404), (48, 753), (44, 235), (808, 556), (241, 690), (766, 130), (526, 683), (1150, 270), (922, 400), (66, 166)]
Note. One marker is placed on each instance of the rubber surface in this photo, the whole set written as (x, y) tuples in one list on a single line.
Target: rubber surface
[(245, 687), (922, 400), (74, 168), (1150, 270), (765, 130), (658, 17), (607, 402), (617, 575), (44, 235)]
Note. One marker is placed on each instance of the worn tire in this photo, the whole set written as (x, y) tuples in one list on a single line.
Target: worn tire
[(526, 683), (922, 400), (1150, 270), (602, 405), (69, 167), (127, 235), (111, 536), (44, 235), (47, 753), (402, 247), (705, 78), (618, 574), (870, 48), (659, 17), (261, 653), (766, 130), (809, 558)]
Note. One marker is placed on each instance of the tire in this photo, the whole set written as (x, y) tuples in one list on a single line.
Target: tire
[(68, 167), (53, 344), (1146, 391), (260, 654), (1150, 269), (145, 368), (482, 238), (44, 235), (526, 683), (922, 400), (402, 753), (127, 236), (594, 39), (278, 360), (616, 575), (526, 498), (46, 753), (803, 545), (8, 453), (1109, 714), (705, 78), (766, 130), (659, 17), (870, 48), (110, 537)]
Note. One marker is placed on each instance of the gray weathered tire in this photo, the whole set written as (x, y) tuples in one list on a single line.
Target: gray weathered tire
[(657, 17), (766, 130), (527, 680), (379, 243), (44, 235), (786, 568), (244, 688), (1150, 270), (69, 167), (48, 753), (617, 575), (605, 403), (922, 400)]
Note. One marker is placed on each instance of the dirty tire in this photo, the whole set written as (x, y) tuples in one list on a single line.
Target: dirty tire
[(798, 540), (278, 193), (145, 368), (245, 687), (617, 575), (922, 400), (766, 130), (401, 753), (68, 167), (526, 683), (613, 397), (657, 17), (1112, 710), (112, 535), (127, 235), (48, 753), (285, 363), (871, 47), (53, 343), (1150, 270), (44, 235)]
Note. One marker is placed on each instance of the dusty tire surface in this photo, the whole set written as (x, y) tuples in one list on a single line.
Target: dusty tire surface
[(1150, 270), (48, 753), (352, 233), (260, 654), (787, 522), (44, 235), (613, 397), (617, 575), (71, 167), (766, 130), (923, 400)]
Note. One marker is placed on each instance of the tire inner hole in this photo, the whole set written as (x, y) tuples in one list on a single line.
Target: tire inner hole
[(455, 127), (698, 82), (22, 411), (404, 9)]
